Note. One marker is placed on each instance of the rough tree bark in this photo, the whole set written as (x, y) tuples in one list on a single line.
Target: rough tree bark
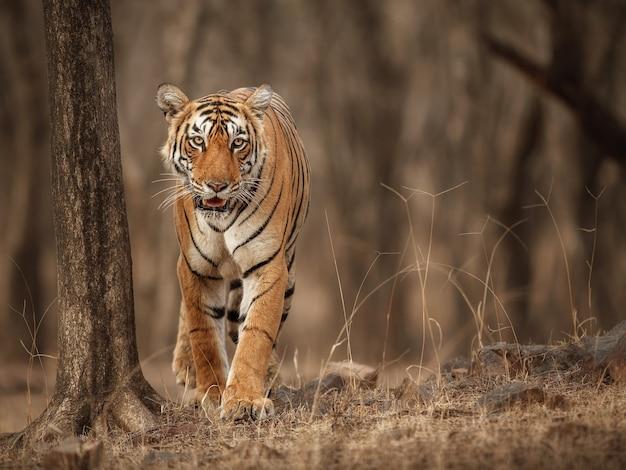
[(99, 379)]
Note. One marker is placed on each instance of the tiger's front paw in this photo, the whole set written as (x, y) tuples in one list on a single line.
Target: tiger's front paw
[(184, 369), (185, 376), (238, 408), (206, 397)]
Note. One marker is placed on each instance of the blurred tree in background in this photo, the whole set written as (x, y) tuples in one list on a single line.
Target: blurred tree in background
[(518, 100)]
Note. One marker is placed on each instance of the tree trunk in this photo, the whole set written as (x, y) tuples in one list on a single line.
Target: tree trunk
[(99, 379)]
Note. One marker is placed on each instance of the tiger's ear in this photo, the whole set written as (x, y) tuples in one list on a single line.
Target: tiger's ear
[(170, 99), (260, 100)]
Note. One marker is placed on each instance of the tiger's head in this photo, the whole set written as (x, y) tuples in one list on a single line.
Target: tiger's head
[(215, 145)]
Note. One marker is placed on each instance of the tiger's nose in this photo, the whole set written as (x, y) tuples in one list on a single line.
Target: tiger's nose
[(217, 186)]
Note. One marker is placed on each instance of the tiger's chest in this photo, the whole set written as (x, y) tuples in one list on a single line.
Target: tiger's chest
[(230, 253)]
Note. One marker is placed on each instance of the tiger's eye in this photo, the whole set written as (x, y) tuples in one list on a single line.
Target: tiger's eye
[(197, 140), (238, 142)]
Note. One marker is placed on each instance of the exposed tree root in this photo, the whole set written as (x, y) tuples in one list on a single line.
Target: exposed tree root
[(129, 413), (131, 409)]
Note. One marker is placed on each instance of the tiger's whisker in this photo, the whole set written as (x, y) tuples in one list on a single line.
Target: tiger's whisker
[(171, 188), (166, 179)]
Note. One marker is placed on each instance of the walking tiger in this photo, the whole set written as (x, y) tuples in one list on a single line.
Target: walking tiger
[(239, 204)]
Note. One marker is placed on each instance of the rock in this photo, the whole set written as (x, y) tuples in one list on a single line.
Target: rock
[(597, 353), (616, 362), (491, 360), (601, 349), (338, 376), (359, 375), (456, 368), (74, 453), (457, 363), (607, 353), (286, 397), (507, 359), (511, 394)]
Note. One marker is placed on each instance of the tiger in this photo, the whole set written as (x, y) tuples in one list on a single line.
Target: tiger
[(242, 197)]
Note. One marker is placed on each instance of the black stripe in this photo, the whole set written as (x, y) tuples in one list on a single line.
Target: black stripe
[(289, 292), (208, 114), (223, 124), (290, 264), (268, 260), (215, 312), (236, 284), (294, 222), (284, 317), (261, 264), (206, 105), (204, 121), (233, 315), (258, 296), (231, 108), (206, 258), (175, 146), (218, 106), (225, 112), (296, 175), (196, 330), (195, 273), (254, 328), (233, 214), (259, 230), (299, 192), (291, 244), (259, 202), (178, 167)]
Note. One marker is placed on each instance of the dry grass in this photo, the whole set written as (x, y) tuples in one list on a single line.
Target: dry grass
[(579, 421), (584, 427)]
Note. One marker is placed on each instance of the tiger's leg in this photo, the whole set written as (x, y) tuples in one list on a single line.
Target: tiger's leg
[(291, 286), (273, 371), (235, 322), (262, 307), (204, 301), (232, 312), (182, 365)]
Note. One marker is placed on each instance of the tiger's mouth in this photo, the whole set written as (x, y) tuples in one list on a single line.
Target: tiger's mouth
[(210, 204)]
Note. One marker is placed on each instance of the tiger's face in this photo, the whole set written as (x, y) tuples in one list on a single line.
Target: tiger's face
[(215, 145)]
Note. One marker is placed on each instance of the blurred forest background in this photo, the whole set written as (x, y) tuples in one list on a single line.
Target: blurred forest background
[(518, 106)]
